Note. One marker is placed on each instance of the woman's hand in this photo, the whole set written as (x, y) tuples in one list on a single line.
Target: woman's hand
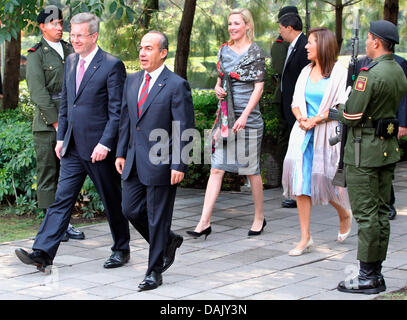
[(307, 124), (240, 123), (220, 92)]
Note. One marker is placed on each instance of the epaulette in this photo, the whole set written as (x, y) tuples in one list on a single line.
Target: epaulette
[(369, 66), (34, 48), (279, 39)]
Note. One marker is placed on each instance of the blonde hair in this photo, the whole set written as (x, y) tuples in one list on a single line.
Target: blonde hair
[(247, 18)]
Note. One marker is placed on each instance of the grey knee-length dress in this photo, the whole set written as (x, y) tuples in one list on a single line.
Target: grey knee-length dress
[(242, 154)]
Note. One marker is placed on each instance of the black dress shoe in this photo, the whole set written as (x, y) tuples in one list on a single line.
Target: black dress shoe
[(74, 233), (37, 258), (256, 233), (289, 203), (392, 213), (117, 259), (151, 281), (169, 255)]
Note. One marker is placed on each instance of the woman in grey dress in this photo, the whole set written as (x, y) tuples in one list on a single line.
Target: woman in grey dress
[(239, 126)]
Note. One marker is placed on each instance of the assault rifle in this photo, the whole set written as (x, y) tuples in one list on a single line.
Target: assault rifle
[(341, 129)]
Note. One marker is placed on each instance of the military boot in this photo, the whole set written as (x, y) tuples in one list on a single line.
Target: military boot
[(379, 275), (367, 282)]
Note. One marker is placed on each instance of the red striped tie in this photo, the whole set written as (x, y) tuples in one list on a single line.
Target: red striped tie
[(143, 94)]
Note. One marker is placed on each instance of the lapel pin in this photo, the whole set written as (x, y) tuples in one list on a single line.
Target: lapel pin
[(160, 84)]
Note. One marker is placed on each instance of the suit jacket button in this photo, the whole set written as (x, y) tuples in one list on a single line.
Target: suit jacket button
[(74, 105), (385, 154), (397, 149)]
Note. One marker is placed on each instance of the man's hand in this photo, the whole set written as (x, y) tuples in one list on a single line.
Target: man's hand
[(58, 149), (402, 132), (55, 125), (98, 154), (120, 164), (176, 176)]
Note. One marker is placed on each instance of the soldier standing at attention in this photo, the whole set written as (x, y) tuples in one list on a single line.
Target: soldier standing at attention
[(45, 74), (371, 153)]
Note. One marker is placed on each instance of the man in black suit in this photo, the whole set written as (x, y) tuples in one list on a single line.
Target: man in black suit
[(157, 104), (87, 136), (290, 29)]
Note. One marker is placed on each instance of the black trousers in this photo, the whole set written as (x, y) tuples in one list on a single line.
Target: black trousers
[(149, 209), (71, 178)]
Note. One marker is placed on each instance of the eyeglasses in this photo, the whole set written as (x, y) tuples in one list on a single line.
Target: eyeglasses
[(79, 36)]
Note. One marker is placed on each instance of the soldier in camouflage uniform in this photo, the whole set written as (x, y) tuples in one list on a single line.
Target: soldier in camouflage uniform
[(371, 153), (45, 71)]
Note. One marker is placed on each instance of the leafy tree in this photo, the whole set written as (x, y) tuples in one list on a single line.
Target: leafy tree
[(15, 15)]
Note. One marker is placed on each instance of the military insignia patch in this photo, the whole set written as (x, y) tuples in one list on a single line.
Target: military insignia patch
[(361, 83), (390, 128)]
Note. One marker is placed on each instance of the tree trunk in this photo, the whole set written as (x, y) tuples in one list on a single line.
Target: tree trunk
[(11, 73), (338, 22), (184, 36), (150, 7), (391, 10)]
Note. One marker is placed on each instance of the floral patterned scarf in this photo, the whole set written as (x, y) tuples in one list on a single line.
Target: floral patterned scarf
[(251, 67)]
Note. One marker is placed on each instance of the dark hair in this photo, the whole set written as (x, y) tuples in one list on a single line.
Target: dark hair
[(387, 45), (327, 49), (291, 19)]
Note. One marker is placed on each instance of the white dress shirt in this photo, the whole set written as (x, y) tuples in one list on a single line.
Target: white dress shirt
[(88, 59), (154, 76)]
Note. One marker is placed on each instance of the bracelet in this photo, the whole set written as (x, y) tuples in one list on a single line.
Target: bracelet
[(322, 117)]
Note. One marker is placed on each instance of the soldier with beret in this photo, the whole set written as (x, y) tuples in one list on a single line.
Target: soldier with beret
[(45, 72), (401, 116), (371, 153)]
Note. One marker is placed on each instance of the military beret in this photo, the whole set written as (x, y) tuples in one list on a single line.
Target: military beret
[(385, 29), (286, 11), (48, 14)]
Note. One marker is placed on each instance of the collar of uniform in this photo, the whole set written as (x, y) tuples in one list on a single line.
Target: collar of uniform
[(383, 57)]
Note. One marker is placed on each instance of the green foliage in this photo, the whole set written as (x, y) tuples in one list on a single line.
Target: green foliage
[(267, 107), (17, 160), (18, 14)]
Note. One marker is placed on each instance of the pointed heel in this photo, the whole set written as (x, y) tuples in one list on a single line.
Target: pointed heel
[(206, 232)]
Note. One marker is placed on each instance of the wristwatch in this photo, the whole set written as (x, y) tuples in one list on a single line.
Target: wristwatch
[(322, 117)]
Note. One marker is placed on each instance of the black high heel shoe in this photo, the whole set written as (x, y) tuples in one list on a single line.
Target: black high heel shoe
[(256, 233), (205, 232)]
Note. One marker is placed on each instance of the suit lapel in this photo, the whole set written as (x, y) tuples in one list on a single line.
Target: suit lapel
[(135, 88), (72, 76), (93, 66), (297, 44), (155, 90)]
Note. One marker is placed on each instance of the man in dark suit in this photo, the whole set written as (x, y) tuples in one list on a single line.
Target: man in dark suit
[(156, 103), (290, 29), (87, 136)]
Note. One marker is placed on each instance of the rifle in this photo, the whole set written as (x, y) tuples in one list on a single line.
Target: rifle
[(342, 130)]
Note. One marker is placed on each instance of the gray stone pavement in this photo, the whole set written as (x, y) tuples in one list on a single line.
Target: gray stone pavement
[(228, 265)]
